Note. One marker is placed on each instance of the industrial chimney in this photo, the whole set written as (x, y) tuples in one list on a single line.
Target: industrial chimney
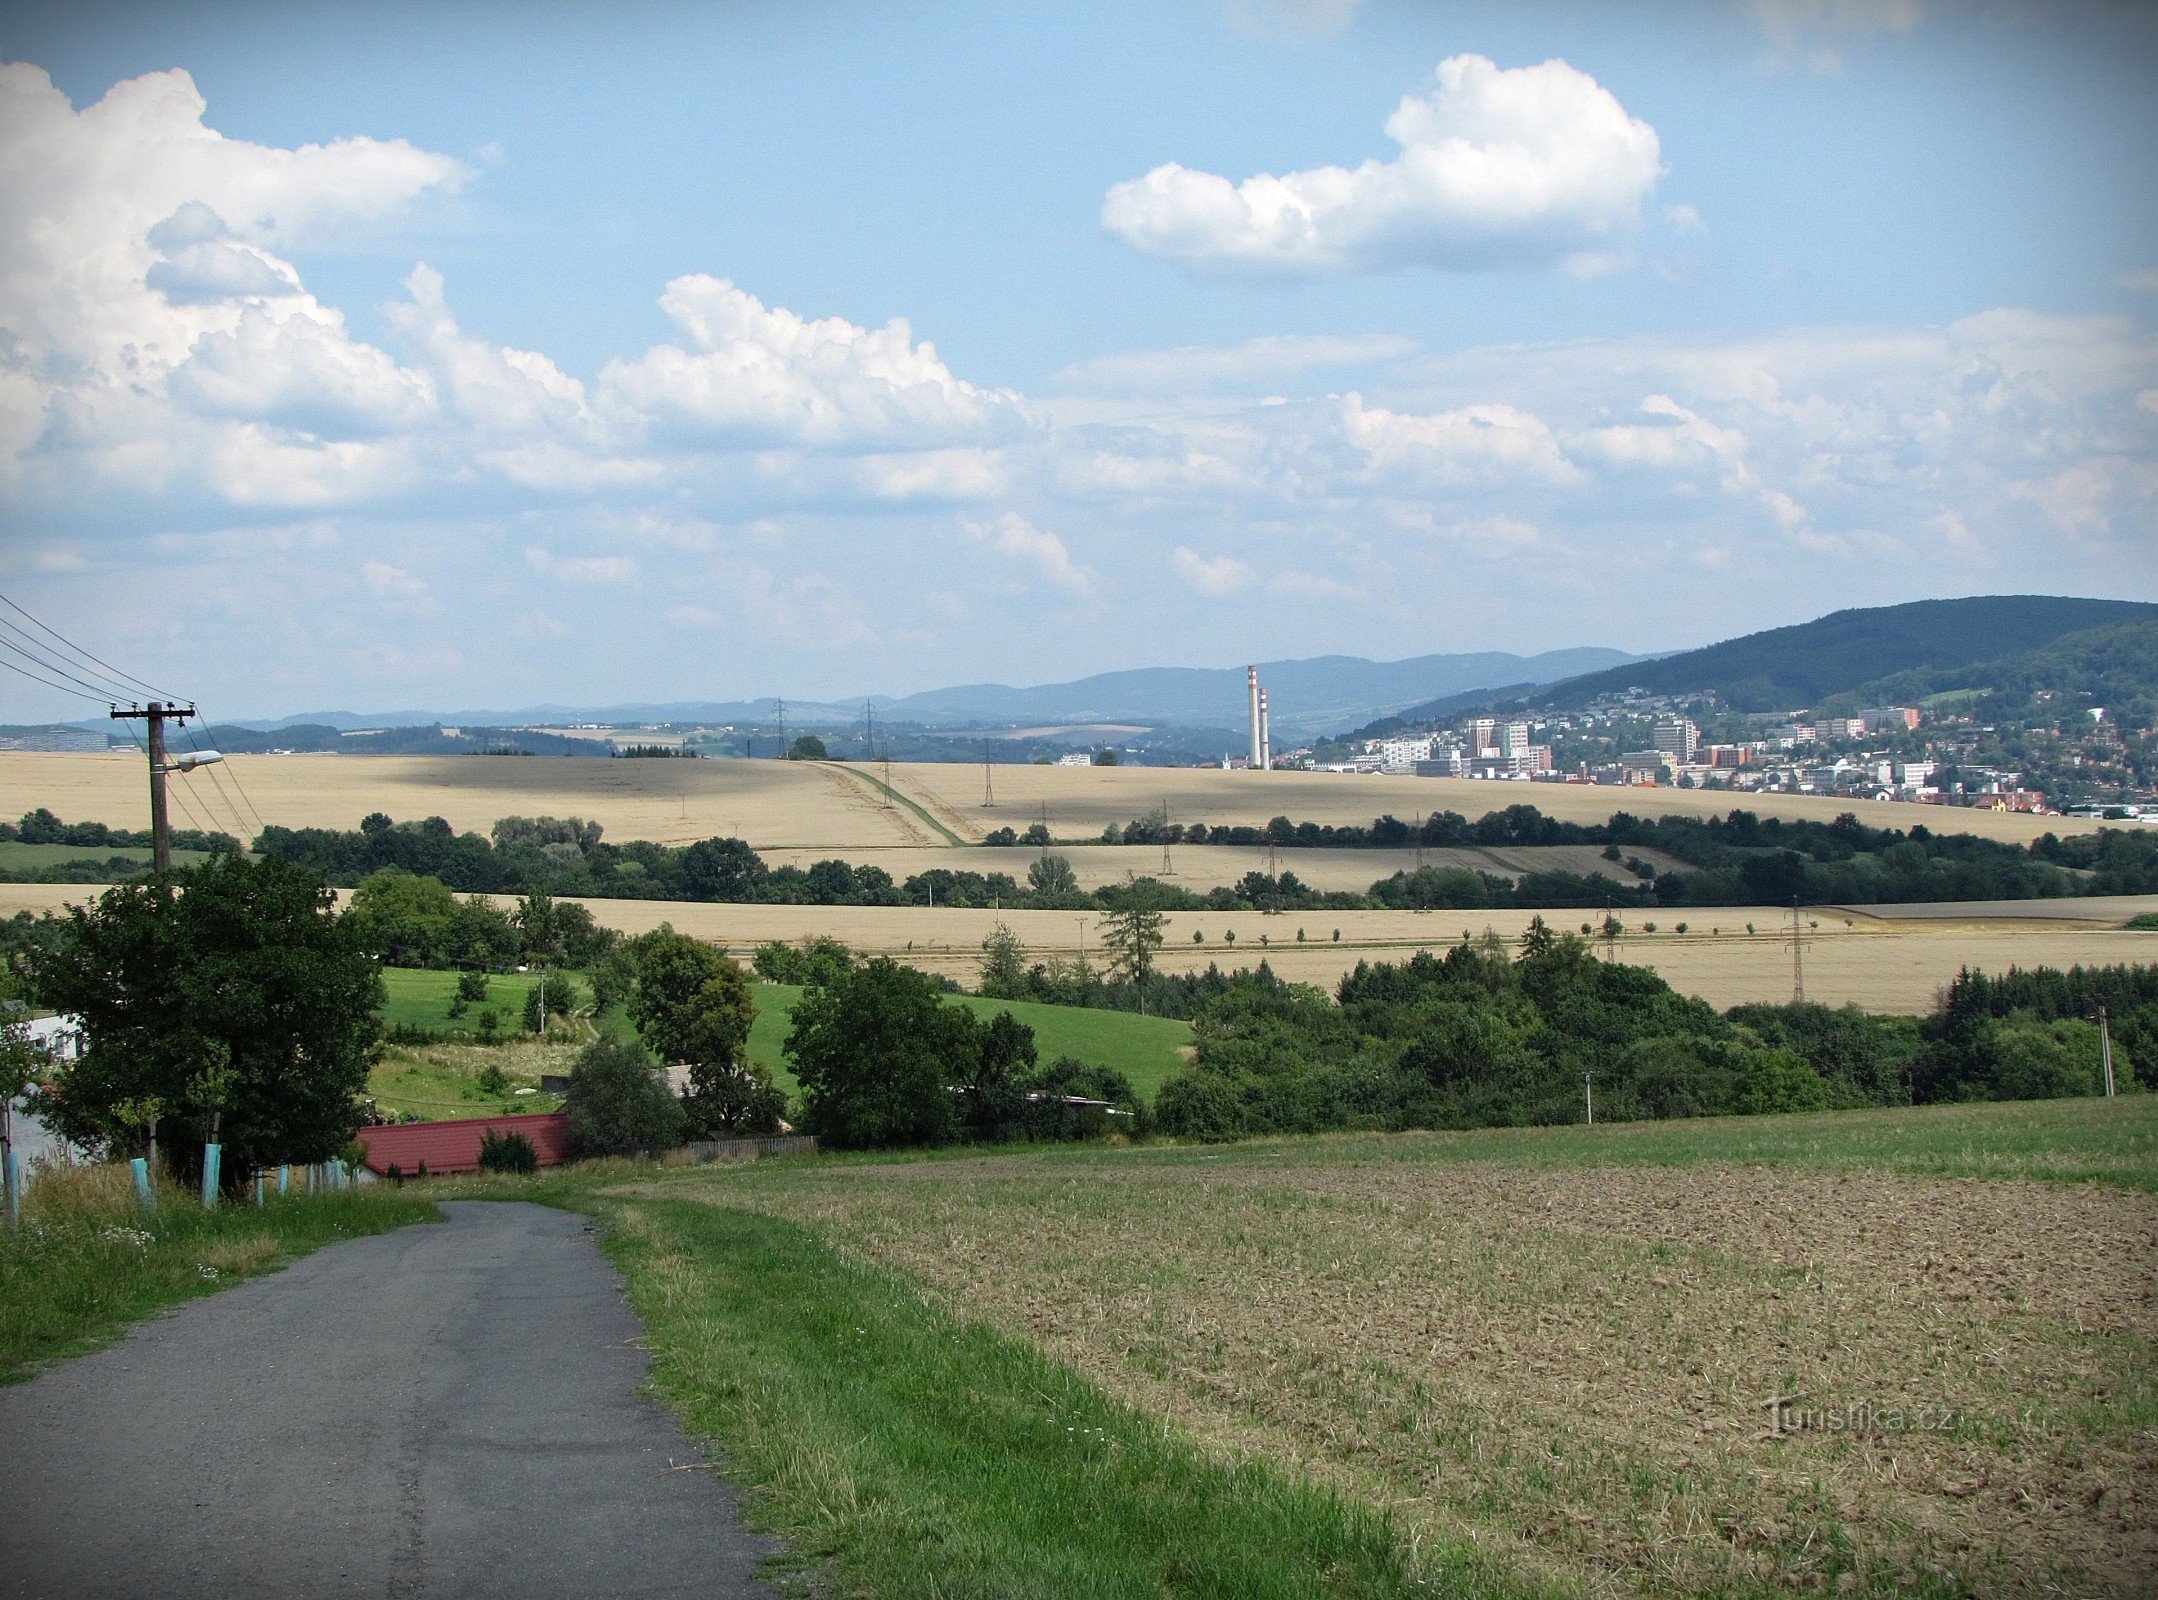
[(1266, 737), (1258, 754)]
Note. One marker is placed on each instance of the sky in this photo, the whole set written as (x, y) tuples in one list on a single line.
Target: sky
[(477, 355)]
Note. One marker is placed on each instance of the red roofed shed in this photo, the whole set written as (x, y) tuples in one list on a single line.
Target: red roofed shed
[(449, 1147)]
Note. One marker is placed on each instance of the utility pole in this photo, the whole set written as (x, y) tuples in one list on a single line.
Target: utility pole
[(156, 714), (2105, 1048), (1167, 871), (1798, 958), (1588, 1088), (782, 727)]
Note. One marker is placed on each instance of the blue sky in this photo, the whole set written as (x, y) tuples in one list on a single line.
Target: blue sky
[(482, 355)]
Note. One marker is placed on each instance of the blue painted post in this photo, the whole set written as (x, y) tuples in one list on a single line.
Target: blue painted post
[(213, 1157), (143, 1193), (284, 1178), (258, 1191), (14, 1189)]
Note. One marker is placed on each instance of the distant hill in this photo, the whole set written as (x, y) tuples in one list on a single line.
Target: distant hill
[(2115, 668), (1303, 697), (1804, 665)]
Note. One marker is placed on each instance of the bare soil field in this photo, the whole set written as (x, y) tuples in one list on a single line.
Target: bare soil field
[(768, 803), (1578, 1366), (1081, 801)]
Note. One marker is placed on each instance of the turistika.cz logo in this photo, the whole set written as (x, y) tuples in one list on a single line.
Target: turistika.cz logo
[(1788, 1415)]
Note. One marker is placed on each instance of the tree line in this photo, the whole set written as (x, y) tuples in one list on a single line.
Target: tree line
[(1487, 1035)]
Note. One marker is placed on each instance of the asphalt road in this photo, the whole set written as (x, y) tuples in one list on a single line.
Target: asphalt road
[(441, 1411)]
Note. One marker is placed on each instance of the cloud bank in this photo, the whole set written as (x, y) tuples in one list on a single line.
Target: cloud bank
[(1515, 167)]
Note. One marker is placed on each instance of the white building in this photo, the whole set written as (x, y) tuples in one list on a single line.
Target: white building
[(1401, 755), (1678, 738)]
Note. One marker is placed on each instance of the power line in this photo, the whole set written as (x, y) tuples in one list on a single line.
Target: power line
[(197, 745), (99, 699), (34, 649), (77, 649), (178, 792), (97, 691)]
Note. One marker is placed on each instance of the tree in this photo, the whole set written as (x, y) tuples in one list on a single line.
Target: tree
[(245, 966), (877, 1052), (617, 1104), (1052, 875), (402, 919), (732, 1100), (996, 1091), (1004, 964), (720, 869), (807, 748), (689, 1002), (1132, 933), (1106, 756)]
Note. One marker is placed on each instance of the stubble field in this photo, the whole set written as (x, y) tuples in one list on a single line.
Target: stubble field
[(830, 805), (1558, 1348)]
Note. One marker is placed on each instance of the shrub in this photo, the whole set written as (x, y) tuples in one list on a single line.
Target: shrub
[(471, 986), (493, 1079), (1200, 1105), (617, 1104), (507, 1152)]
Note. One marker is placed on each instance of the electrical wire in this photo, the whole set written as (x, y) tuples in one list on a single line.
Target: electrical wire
[(178, 793), (97, 691), (234, 772), (35, 649), (48, 683), (109, 669)]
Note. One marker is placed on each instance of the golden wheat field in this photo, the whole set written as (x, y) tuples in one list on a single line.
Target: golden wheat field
[(835, 806), (1848, 958)]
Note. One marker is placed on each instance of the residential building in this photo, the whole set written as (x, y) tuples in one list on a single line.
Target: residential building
[(1677, 737)]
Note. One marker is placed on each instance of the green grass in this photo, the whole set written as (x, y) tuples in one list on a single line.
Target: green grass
[(1144, 1049), (86, 1263), (902, 1452), (419, 999), (15, 856), (442, 1082)]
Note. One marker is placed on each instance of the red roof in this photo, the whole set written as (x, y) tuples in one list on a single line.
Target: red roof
[(449, 1147)]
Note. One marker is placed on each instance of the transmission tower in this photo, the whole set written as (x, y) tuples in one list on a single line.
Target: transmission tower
[(1798, 958), (989, 777), (782, 726), (1168, 870), (887, 774)]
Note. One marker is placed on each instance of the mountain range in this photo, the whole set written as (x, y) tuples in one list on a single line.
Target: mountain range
[(1304, 697), (1884, 650)]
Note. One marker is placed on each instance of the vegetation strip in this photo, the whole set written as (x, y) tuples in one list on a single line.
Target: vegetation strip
[(903, 799), (914, 1454)]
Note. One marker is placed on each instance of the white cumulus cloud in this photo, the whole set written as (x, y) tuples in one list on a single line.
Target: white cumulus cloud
[(1012, 536), (1476, 444), (1524, 166), (753, 374), (1212, 575)]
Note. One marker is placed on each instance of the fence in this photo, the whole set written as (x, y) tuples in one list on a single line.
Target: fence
[(702, 1150)]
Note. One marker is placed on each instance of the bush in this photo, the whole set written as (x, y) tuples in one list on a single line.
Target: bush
[(1200, 1105), (617, 1104), (507, 1152)]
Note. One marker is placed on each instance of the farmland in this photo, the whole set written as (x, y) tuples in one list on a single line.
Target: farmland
[(1533, 1361), (833, 807), (1878, 962)]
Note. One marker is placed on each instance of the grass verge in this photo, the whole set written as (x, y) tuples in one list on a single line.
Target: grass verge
[(85, 1262), (904, 1452)]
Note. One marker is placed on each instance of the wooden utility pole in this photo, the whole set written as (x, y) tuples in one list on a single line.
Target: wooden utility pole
[(1588, 1088), (155, 715), (1798, 959), (2105, 1048)]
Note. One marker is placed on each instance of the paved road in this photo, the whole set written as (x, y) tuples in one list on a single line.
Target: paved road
[(440, 1411)]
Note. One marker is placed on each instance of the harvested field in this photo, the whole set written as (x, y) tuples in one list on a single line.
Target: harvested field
[(830, 806), (1081, 801), (1571, 1363), (1851, 958), (769, 803), (1199, 868)]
